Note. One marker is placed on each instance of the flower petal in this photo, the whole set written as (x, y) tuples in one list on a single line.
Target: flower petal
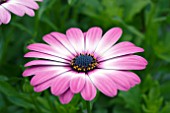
[(61, 83), (29, 12), (76, 38), (109, 39), (64, 40), (103, 83), (92, 38), (42, 77), (45, 56), (5, 16), (89, 91), (43, 86), (120, 49), (77, 82), (44, 62), (14, 8), (37, 69), (66, 97), (124, 80), (60, 50), (130, 62), (27, 3)]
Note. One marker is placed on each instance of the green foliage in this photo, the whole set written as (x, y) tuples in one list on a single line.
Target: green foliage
[(144, 22)]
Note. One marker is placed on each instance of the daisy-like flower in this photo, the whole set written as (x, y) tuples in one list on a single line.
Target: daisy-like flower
[(18, 7), (84, 63)]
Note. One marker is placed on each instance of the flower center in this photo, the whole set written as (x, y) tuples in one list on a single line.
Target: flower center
[(2, 1), (84, 63)]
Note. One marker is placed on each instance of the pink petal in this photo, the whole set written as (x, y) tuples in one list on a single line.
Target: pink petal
[(93, 36), (42, 77), (103, 83), (29, 12), (64, 40), (130, 62), (5, 16), (89, 91), (77, 82), (57, 46), (37, 69), (120, 49), (43, 86), (109, 39), (123, 79), (133, 79), (66, 97), (76, 38), (48, 49), (44, 56), (28, 3), (61, 83), (39, 0), (14, 8), (44, 62)]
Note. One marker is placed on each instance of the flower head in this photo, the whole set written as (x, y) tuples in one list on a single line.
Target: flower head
[(84, 62), (18, 7)]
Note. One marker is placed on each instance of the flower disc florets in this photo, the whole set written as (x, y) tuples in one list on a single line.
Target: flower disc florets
[(2, 1), (84, 63)]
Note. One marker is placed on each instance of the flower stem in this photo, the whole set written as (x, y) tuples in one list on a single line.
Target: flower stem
[(88, 107)]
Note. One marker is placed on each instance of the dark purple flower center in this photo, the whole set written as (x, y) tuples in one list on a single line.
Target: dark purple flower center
[(2, 1), (84, 63)]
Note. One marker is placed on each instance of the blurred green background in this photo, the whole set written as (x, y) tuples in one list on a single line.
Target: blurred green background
[(144, 22)]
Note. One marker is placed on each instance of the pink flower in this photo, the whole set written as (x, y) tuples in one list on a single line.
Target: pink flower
[(18, 7), (84, 62)]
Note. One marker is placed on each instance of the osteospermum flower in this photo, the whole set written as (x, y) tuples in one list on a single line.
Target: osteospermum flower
[(18, 7), (84, 62)]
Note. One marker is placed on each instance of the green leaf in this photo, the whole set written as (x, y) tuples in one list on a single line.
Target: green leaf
[(132, 99), (71, 2), (120, 109), (162, 48), (14, 96), (3, 78), (131, 9), (153, 101), (166, 108)]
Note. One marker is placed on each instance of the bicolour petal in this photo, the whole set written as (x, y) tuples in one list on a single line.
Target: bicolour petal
[(14, 8), (130, 62), (42, 77), (64, 41), (120, 49), (39, 0), (60, 50), (43, 86), (124, 80), (76, 38), (45, 56), (28, 11), (66, 97), (108, 39), (27, 3), (45, 62), (57, 51), (5, 16), (103, 83), (77, 82), (92, 38), (89, 90), (62, 83), (37, 69)]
